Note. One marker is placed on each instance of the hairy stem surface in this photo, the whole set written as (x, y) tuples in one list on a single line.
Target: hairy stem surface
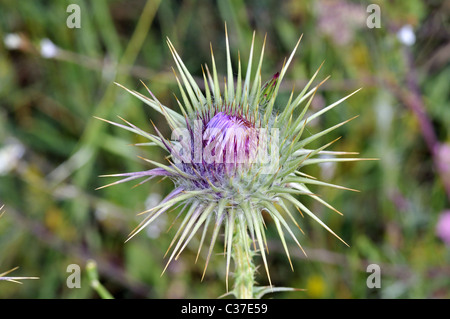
[(244, 268)]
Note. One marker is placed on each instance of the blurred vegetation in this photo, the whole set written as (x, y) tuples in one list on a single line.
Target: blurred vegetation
[(52, 149)]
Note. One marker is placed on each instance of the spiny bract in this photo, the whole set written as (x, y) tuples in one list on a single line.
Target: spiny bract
[(3, 276), (231, 157)]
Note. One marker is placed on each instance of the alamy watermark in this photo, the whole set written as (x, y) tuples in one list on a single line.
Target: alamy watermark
[(74, 18), (374, 279), (232, 146), (74, 279), (374, 18)]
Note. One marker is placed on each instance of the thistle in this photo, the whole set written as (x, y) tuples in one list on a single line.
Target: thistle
[(231, 157)]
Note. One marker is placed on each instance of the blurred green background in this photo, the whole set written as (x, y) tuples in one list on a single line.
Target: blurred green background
[(54, 79)]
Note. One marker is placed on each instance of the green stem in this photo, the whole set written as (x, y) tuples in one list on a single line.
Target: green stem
[(91, 268), (244, 268)]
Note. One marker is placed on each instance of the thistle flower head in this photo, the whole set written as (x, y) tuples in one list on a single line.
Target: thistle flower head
[(231, 156)]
